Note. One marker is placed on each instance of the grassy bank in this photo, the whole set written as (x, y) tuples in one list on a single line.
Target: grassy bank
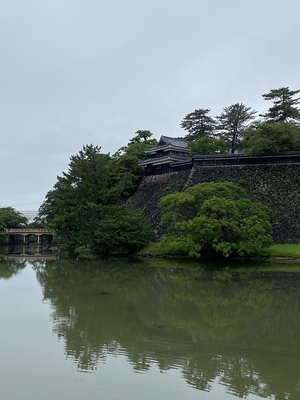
[(291, 251), (285, 251)]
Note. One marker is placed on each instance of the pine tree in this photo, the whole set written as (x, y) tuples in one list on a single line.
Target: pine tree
[(232, 122), (284, 105), (198, 124)]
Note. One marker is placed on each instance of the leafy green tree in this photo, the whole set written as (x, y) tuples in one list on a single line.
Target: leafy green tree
[(74, 203), (137, 145), (127, 174), (214, 218), (284, 105), (208, 145), (198, 124), (10, 218), (272, 137), (120, 231), (82, 198), (232, 123)]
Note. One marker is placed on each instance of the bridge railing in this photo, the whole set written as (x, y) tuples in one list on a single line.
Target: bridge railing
[(28, 231)]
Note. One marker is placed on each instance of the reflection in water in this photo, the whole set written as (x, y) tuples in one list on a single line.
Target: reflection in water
[(31, 252), (11, 267), (25, 249), (239, 329), (14, 258)]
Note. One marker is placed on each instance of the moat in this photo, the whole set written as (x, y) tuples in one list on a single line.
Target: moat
[(147, 330)]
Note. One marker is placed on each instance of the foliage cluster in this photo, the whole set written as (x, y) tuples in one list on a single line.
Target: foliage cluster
[(87, 204), (214, 219), (10, 218), (237, 130)]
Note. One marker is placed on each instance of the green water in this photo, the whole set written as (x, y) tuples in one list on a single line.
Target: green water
[(134, 330)]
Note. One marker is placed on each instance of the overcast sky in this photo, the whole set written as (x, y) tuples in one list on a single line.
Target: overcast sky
[(75, 72)]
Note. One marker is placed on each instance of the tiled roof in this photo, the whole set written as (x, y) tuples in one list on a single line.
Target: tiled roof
[(180, 142)]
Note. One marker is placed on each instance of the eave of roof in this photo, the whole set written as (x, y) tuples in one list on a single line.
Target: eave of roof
[(167, 147), (164, 160)]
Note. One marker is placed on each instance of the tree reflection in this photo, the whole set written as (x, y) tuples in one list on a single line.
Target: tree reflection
[(212, 325), (9, 268), (218, 308)]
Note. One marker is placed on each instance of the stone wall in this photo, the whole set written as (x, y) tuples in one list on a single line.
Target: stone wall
[(277, 186)]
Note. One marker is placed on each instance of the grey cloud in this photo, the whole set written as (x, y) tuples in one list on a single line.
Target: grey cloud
[(74, 72)]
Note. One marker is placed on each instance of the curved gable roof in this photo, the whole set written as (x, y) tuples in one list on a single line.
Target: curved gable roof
[(178, 142)]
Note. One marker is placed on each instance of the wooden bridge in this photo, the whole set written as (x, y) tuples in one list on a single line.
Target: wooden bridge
[(26, 232), (31, 257)]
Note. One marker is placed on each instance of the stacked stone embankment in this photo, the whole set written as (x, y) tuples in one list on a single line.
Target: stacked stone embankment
[(277, 186)]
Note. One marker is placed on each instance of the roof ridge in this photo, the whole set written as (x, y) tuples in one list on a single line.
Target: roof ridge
[(171, 137)]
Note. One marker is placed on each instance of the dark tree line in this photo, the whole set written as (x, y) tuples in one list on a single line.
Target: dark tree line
[(237, 129)]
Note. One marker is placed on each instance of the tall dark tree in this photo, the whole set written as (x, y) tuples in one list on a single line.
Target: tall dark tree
[(232, 122), (284, 105), (198, 124), (142, 136), (136, 146), (127, 173), (78, 195), (90, 195)]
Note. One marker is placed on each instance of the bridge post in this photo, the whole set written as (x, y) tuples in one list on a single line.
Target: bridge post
[(39, 236), (25, 232)]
